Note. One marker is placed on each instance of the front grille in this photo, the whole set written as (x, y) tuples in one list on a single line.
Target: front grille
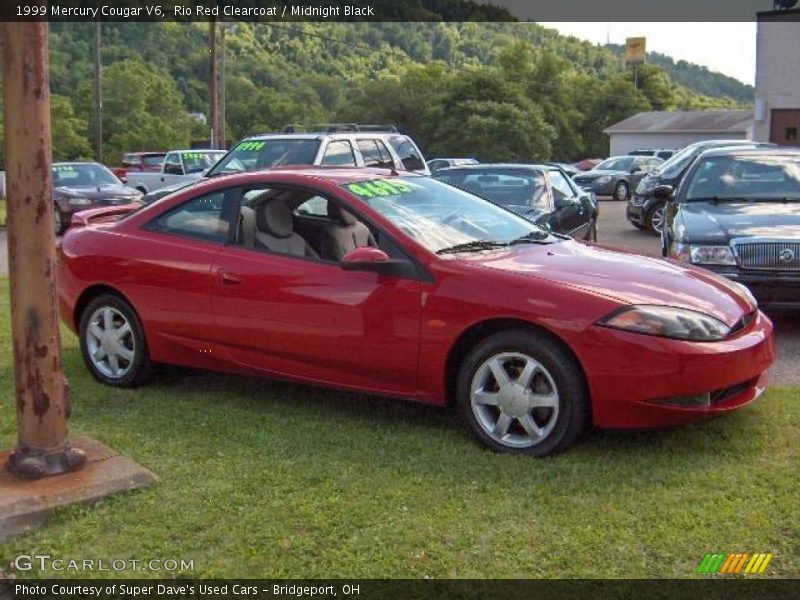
[(775, 255)]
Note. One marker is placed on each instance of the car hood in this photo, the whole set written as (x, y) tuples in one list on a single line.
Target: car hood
[(718, 223), (94, 192), (623, 276)]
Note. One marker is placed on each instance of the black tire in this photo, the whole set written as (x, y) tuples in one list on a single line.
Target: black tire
[(573, 407), (652, 216), (60, 222), (622, 191), (591, 234), (137, 370)]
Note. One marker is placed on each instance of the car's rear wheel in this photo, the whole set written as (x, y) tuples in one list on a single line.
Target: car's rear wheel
[(521, 391), (112, 342), (655, 219), (621, 191)]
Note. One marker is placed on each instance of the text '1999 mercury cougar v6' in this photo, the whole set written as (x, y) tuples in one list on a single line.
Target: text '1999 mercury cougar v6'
[(402, 285)]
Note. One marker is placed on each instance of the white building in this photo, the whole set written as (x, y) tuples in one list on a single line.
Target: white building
[(777, 105), (676, 129)]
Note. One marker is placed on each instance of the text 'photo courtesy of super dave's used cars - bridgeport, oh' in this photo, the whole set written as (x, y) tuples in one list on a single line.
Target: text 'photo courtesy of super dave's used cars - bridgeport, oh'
[(392, 283)]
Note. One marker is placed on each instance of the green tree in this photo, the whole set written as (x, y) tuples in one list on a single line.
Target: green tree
[(68, 131), (142, 109)]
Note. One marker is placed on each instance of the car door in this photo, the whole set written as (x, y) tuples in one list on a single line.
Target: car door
[(310, 320), (170, 263), (571, 215), (173, 169)]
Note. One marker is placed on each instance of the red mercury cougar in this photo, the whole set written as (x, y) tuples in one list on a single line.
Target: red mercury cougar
[(370, 281)]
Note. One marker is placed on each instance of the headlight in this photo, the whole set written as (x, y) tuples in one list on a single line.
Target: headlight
[(603, 179), (711, 255), (78, 201), (668, 322)]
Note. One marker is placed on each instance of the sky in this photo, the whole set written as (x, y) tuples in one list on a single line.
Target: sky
[(729, 48)]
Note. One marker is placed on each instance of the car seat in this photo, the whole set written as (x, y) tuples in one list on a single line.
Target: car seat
[(275, 229), (343, 234)]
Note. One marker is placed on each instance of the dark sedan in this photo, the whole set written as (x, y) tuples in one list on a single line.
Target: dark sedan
[(737, 213), (79, 186), (543, 194), (617, 176), (644, 210)]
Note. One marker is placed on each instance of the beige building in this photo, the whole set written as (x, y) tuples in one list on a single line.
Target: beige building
[(777, 101)]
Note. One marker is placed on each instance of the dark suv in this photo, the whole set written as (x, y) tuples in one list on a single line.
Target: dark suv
[(644, 210)]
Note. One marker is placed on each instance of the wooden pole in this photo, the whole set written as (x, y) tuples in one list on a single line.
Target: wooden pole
[(42, 398), (212, 82), (98, 98)]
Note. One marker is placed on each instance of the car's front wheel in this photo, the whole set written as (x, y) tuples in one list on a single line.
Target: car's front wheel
[(655, 219), (521, 391), (112, 342)]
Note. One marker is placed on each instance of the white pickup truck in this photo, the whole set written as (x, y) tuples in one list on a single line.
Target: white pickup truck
[(178, 166)]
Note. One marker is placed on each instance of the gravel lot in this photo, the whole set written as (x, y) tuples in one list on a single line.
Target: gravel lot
[(614, 230)]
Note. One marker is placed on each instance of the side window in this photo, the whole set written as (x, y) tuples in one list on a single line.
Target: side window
[(375, 154), (172, 164), (204, 218), (561, 187), (407, 152), (339, 154)]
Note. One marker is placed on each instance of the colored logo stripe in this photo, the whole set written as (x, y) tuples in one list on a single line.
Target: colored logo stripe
[(734, 563)]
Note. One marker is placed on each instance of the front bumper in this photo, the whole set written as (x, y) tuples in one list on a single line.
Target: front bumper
[(773, 289), (636, 211), (636, 393)]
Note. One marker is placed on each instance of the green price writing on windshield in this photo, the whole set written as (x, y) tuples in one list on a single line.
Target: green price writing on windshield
[(378, 187), (248, 146), (59, 168)]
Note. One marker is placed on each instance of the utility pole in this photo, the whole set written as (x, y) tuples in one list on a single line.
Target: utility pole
[(212, 82), (41, 392), (98, 98), (222, 92)]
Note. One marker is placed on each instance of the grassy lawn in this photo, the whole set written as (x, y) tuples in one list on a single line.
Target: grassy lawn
[(268, 479), (2, 213)]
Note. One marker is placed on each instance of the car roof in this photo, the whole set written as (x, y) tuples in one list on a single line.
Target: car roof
[(751, 151), (321, 135), (196, 150), (75, 162), (487, 166), (335, 175)]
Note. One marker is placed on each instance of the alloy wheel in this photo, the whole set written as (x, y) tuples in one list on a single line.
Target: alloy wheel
[(657, 219), (514, 400), (110, 342), (621, 191)]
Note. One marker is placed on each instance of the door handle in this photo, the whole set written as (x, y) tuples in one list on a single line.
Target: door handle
[(228, 278)]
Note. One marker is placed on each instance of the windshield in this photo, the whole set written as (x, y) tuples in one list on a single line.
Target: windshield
[(754, 178), (264, 154), (442, 218), (197, 162), (84, 174), (515, 189), (622, 163)]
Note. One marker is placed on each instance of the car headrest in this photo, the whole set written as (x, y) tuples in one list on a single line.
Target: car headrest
[(275, 217), (338, 214)]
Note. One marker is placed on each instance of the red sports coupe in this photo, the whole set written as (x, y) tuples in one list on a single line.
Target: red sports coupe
[(405, 286)]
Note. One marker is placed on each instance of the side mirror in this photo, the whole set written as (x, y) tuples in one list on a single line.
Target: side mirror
[(374, 260), (563, 201), (637, 170), (663, 193)]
